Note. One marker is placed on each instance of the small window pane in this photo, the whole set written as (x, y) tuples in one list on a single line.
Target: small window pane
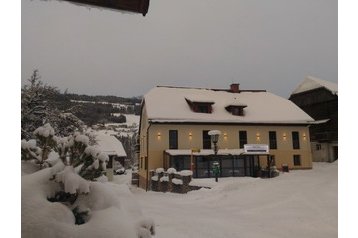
[(242, 138), (296, 160), (173, 139)]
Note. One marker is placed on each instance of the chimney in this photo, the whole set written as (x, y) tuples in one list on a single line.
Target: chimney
[(234, 88)]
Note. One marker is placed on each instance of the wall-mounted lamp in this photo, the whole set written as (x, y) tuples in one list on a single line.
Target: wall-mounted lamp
[(257, 136), (284, 136), (304, 136), (190, 136), (225, 136), (159, 135)]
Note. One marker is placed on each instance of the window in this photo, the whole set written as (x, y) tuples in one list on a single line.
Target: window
[(173, 139), (206, 140), (273, 140), (203, 108), (200, 107), (180, 162), (318, 147), (295, 140), (236, 110), (242, 138), (296, 160)]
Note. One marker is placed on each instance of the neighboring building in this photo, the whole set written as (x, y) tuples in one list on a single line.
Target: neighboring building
[(319, 99), (175, 121), (110, 145)]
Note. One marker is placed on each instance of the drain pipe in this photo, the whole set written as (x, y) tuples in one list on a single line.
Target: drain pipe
[(147, 160)]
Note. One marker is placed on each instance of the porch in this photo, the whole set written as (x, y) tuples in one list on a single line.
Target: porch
[(233, 162)]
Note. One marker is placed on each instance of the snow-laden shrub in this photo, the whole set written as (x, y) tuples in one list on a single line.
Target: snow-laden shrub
[(177, 181), (30, 150), (171, 171), (64, 195), (159, 170), (155, 178), (111, 209), (40, 148), (73, 183), (164, 179), (74, 150), (186, 173)]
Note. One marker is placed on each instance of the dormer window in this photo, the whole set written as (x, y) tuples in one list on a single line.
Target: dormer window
[(200, 106), (237, 110)]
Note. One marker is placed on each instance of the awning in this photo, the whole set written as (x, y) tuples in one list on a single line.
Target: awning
[(205, 152)]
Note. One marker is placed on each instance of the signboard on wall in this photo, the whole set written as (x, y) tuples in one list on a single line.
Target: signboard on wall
[(256, 149)]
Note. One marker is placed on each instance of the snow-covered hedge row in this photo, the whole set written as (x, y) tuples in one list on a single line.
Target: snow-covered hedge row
[(113, 211)]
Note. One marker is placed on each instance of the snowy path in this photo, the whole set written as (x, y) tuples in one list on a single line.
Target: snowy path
[(297, 204)]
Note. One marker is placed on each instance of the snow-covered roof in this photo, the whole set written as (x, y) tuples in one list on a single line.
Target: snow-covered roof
[(312, 83), (199, 98), (168, 104), (109, 144)]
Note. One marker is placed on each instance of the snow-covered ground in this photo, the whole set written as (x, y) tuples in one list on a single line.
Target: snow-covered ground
[(301, 203)]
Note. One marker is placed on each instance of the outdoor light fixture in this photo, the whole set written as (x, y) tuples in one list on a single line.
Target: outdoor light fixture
[(284, 136), (258, 136), (304, 136), (214, 134), (159, 135), (190, 135), (225, 136)]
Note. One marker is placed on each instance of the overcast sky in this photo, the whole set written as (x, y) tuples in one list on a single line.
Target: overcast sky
[(261, 44)]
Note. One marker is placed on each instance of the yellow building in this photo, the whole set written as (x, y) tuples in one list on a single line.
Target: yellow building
[(175, 122)]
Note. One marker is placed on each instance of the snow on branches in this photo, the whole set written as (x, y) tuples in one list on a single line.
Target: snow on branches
[(73, 183), (74, 150), (38, 106)]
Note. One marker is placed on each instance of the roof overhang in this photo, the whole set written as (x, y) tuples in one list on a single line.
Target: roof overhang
[(320, 121), (202, 152), (138, 6), (228, 122)]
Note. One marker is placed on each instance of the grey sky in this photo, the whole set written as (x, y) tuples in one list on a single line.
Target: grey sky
[(261, 44)]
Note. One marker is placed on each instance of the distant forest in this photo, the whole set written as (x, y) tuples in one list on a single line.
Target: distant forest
[(97, 113)]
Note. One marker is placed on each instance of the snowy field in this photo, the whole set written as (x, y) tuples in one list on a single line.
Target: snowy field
[(296, 204), (131, 119)]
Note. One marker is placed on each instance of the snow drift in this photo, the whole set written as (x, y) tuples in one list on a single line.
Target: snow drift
[(113, 211)]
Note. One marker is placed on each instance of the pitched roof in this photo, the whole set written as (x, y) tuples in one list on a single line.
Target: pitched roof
[(168, 104), (310, 83), (109, 144)]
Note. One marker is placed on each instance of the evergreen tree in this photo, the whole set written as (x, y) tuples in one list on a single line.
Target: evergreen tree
[(39, 106)]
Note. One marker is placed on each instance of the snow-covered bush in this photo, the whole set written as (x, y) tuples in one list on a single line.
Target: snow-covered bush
[(186, 173), (159, 170), (40, 148), (171, 171), (30, 150), (73, 191), (108, 210), (74, 150), (164, 179), (177, 181)]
